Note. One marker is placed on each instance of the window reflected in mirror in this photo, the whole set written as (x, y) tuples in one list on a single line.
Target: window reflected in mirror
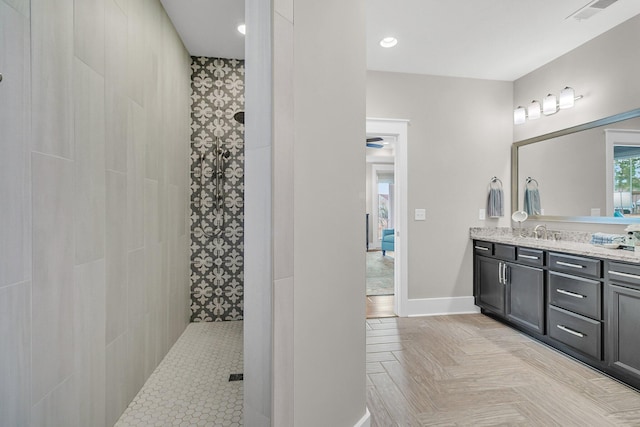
[(626, 180)]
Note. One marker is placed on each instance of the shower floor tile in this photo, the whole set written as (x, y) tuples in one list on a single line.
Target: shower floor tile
[(191, 385)]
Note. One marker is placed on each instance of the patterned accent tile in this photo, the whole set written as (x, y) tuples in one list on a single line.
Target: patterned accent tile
[(217, 190), (191, 385)]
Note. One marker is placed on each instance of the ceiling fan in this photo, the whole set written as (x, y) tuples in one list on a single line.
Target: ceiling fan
[(372, 142)]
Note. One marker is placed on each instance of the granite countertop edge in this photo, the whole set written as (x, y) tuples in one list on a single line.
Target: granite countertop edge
[(575, 247)]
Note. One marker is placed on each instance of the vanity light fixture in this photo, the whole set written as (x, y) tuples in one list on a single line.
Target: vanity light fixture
[(242, 29), (388, 42), (551, 104), (533, 111)]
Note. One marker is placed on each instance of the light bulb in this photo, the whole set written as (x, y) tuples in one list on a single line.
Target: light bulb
[(388, 42), (533, 112), (549, 105), (567, 98), (519, 116)]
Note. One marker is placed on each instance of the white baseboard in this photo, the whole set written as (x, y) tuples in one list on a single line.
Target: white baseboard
[(439, 306), (365, 421)]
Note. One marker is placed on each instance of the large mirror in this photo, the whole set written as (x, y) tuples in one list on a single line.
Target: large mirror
[(587, 173)]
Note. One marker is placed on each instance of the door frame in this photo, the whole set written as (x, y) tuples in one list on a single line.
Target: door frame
[(397, 128)]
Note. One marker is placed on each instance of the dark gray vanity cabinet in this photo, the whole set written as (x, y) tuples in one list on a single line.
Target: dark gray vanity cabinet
[(506, 287), (489, 286), (586, 307), (575, 303), (623, 333), (525, 296)]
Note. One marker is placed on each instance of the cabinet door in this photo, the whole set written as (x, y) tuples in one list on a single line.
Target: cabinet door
[(623, 346), (490, 292), (525, 297)]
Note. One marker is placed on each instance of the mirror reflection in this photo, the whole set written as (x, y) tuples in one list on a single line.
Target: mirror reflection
[(626, 178), (591, 171)]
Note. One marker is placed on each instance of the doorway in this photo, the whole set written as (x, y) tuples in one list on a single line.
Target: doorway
[(380, 258), (387, 214)]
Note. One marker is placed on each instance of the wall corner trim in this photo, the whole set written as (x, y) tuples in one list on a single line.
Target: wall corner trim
[(441, 306)]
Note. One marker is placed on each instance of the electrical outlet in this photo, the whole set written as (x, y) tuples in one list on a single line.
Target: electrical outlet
[(482, 215), (420, 215)]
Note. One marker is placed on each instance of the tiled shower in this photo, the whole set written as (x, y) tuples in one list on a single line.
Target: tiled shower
[(95, 187), (217, 190), (94, 196)]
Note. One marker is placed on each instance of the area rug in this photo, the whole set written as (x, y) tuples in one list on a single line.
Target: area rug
[(379, 273)]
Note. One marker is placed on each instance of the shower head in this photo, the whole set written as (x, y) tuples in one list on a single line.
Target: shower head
[(239, 117)]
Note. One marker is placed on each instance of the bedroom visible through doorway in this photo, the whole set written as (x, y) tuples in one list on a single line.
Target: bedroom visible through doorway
[(380, 259)]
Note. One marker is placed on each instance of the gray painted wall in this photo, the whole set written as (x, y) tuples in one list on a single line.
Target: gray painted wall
[(605, 70), (94, 124), (328, 287), (460, 134)]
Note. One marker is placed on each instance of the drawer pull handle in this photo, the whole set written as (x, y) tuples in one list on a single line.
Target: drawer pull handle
[(529, 257), (627, 275), (504, 273), (570, 331), (568, 264), (481, 248), (571, 294)]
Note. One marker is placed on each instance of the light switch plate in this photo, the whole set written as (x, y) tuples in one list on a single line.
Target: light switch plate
[(420, 215), (482, 215)]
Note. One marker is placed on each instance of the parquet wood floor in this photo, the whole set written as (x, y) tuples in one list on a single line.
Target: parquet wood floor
[(469, 370)]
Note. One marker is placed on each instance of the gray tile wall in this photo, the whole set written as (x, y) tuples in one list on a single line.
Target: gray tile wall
[(217, 228), (94, 199)]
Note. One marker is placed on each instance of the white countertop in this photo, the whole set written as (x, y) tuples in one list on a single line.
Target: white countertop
[(573, 243)]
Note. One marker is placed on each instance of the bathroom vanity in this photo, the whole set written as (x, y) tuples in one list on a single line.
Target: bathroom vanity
[(581, 299)]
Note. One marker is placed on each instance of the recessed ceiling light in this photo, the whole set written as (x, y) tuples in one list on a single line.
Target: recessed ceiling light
[(388, 42), (242, 29)]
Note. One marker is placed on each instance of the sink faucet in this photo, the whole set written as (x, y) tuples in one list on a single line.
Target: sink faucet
[(542, 228)]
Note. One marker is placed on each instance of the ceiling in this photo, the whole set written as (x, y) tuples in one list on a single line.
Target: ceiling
[(209, 27), (485, 39)]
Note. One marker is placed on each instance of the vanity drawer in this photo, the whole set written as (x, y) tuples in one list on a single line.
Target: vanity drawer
[(530, 256), (629, 274), (483, 248), (581, 266), (506, 252), (578, 332), (577, 294)]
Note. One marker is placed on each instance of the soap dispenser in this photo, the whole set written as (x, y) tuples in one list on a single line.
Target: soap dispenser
[(631, 239)]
